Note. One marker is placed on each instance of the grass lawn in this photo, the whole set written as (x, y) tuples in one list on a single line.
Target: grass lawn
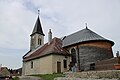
[(49, 76), (16, 78)]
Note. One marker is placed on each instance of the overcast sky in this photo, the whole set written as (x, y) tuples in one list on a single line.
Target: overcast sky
[(17, 19)]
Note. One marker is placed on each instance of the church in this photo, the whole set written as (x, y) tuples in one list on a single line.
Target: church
[(81, 49)]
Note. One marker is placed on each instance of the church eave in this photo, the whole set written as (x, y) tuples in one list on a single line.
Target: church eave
[(65, 46)]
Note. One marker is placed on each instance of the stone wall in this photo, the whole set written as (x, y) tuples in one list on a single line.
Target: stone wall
[(61, 78), (92, 75), (95, 74)]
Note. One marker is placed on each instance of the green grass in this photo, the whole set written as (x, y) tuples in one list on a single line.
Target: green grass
[(49, 76), (16, 78)]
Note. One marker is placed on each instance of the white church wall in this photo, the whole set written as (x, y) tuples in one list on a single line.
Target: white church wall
[(59, 58)]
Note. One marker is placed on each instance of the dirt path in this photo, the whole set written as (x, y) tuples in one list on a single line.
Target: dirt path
[(29, 78)]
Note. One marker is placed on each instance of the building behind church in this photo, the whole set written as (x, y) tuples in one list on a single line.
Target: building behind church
[(81, 49)]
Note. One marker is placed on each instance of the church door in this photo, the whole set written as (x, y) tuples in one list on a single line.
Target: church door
[(58, 67)]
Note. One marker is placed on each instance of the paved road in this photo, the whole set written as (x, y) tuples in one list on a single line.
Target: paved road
[(29, 78)]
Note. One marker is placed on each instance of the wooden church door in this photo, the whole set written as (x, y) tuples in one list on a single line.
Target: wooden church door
[(58, 67)]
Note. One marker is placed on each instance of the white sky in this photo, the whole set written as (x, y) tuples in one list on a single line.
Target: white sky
[(17, 19)]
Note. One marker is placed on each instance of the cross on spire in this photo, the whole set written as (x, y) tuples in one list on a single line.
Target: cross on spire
[(86, 25), (38, 12)]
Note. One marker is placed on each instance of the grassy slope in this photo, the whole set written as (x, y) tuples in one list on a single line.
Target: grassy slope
[(49, 76), (16, 78)]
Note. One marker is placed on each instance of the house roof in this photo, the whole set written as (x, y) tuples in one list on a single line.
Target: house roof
[(38, 28), (55, 47), (83, 35), (4, 72)]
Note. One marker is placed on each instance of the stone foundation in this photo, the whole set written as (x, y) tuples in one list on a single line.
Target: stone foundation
[(92, 75), (95, 74), (61, 78)]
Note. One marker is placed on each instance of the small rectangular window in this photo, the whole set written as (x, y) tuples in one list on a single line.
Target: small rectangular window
[(31, 64), (65, 63)]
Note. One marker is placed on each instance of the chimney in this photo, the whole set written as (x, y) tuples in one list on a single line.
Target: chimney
[(49, 36)]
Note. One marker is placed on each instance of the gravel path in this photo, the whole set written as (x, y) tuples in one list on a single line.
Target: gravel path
[(29, 78)]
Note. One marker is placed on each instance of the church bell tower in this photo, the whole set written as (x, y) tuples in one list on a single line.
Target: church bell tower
[(37, 36)]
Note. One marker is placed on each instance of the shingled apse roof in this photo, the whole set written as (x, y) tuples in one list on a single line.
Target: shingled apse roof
[(55, 47), (83, 36)]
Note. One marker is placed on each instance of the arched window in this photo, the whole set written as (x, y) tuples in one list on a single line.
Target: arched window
[(73, 52), (39, 41), (32, 41)]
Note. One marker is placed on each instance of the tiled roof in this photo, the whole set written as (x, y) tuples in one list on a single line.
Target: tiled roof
[(83, 36), (55, 47), (4, 71), (1, 68), (38, 28)]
